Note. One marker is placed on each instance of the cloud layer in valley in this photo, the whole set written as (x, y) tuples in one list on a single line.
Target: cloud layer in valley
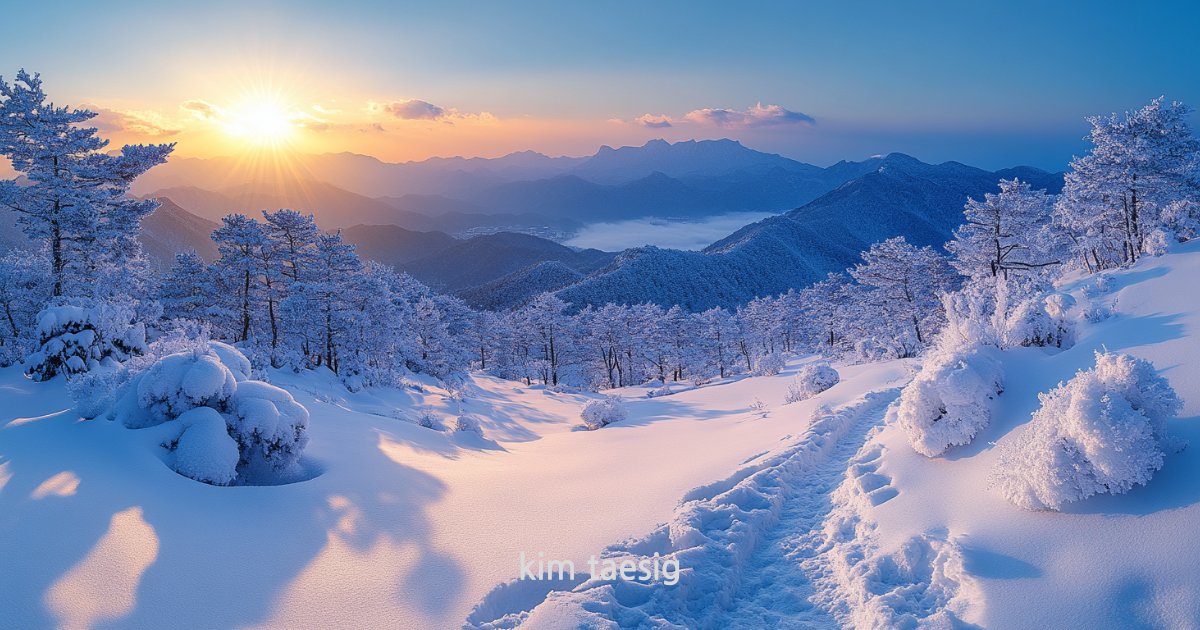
[(686, 235)]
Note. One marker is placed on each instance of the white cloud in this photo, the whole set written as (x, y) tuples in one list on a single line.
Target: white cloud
[(654, 122), (413, 110), (145, 123), (757, 116)]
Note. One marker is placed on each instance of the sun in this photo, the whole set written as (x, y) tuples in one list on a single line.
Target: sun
[(263, 122)]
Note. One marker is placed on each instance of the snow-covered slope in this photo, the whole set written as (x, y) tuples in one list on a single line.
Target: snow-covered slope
[(406, 527), (811, 514)]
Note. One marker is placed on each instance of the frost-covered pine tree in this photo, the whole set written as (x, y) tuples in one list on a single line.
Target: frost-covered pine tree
[(321, 303), (1140, 163), (185, 289), (75, 200), (24, 288), (902, 284), (1005, 233), (237, 240)]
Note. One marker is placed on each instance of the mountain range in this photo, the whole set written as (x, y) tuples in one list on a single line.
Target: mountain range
[(520, 190), (843, 210)]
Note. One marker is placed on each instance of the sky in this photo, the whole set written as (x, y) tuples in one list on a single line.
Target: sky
[(992, 84)]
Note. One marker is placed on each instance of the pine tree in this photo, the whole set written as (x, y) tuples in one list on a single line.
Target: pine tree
[(1139, 165), (1004, 233), (75, 201), (901, 285)]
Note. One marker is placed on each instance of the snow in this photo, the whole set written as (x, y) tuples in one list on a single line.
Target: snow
[(205, 452), (404, 526), (817, 513), (1109, 561)]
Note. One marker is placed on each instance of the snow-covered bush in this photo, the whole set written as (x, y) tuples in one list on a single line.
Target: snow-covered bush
[(262, 424), (812, 379), (665, 390), (79, 336), (947, 403), (769, 365), (603, 412), (428, 418), (1102, 431), (1009, 314), (468, 422), (1157, 242)]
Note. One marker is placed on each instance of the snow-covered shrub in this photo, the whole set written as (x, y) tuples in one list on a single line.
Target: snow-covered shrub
[(947, 403), (262, 424), (769, 365), (1157, 242), (1007, 314), (665, 390), (79, 336), (428, 418), (1097, 312), (1181, 218), (270, 427), (603, 412), (758, 405), (812, 379), (1102, 431), (468, 422)]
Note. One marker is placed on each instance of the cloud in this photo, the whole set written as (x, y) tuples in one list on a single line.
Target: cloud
[(413, 110), (654, 122), (143, 123), (757, 116), (322, 110), (687, 235), (202, 109)]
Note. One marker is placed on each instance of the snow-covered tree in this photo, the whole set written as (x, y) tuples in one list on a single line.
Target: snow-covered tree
[(1138, 165), (901, 285), (75, 200), (186, 291), (1102, 431), (77, 335), (24, 289), (1005, 233)]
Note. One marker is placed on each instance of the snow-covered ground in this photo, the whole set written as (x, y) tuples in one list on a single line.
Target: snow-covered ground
[(406, 527), (803, 515)]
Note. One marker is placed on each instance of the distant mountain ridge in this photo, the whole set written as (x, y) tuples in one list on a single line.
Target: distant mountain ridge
[(901, 197), (684, 179)]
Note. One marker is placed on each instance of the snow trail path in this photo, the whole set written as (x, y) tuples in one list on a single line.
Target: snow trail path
[(775, 591)]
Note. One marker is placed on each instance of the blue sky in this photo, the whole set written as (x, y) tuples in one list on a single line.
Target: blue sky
[(990, 84)]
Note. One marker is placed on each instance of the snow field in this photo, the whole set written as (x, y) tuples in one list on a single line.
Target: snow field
[(404, 526), (713, 535)]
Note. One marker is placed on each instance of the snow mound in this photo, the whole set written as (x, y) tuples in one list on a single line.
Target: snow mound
[(947, 403), (603, 412), (812, 379), (1102, 431), (711, 535), (262, 433), (204, 451)]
